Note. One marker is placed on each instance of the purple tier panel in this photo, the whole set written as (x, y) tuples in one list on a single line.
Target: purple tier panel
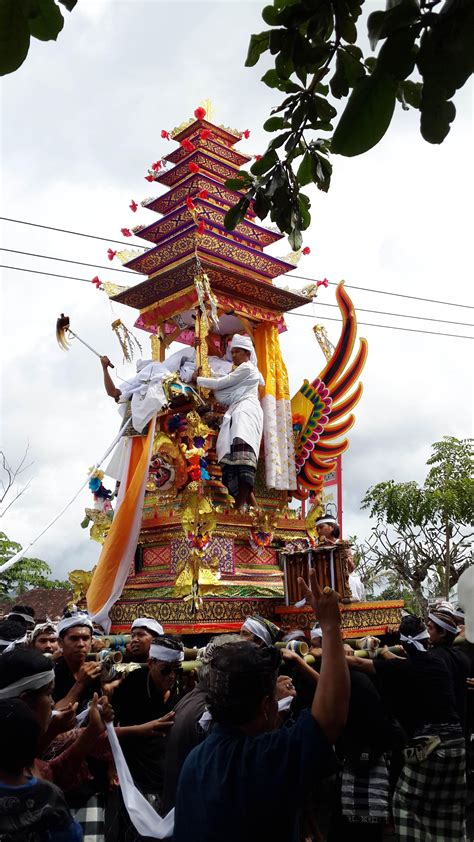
[(217, 169), (225, 279), (229, 155), (190, 187), (214, 244), (255, 236)]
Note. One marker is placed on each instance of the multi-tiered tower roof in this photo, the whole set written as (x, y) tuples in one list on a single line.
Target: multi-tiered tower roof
[(239, 271)]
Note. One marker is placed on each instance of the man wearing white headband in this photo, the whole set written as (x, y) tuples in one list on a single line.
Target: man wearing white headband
[(240, 435), (147, 694), (44, 638), (443, 629), (76, 679), (143, 630)]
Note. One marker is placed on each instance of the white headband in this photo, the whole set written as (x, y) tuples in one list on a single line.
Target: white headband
[(408, 638), (297, 634), (75, 620), (44, 628), (316, 631), (435, 619), (30, 682), (163, 653), (258, 629), (331, 520), (10, 644), (27, 617), (149, 624), (246, 344)]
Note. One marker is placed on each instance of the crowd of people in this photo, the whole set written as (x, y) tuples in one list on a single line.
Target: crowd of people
[(258, 743)]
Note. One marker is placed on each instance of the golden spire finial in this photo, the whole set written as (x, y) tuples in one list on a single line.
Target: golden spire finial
[(208, 105)]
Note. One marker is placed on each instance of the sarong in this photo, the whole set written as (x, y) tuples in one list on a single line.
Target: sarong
[(239, 466), (430, 797)]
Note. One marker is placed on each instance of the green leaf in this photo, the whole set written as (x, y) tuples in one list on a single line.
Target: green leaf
[(45, 20), (366, 116), (295, 239), (284, 65), (265, 163), (236, 214), (397, 54), (410, 92), (279, 140), (381, 24), (237, 183), (273, 124), (69, 4), (321, 169), (261, 204), (436, 117), (271, 78), (270, 15), (14, 36), (258, 45), (304, 174)]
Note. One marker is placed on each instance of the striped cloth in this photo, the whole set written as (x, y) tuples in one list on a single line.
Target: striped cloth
[(91, 818), (365, 791), (430, 797)]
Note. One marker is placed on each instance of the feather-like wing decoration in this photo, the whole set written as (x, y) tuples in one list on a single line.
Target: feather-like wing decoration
[(322, 410)]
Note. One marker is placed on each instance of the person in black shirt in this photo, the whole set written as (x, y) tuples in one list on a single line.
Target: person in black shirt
[(76, 680), (146, 694), (429, 798), (186, 732), (248, 781), (442, 629)]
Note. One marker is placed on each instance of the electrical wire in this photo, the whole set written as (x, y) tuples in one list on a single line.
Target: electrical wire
[(300, 277), (290, 313), (111, 268), (66, 260), (66, 231), (386, 327), (396, 294)]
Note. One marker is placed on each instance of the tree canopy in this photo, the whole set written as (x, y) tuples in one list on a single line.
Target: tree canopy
[(20, 20), (423, 534), (424, 56), (27, 573)]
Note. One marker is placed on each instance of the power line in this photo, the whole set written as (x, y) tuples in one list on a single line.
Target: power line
[(304, 315), (49, 274), (401, 315), (300, 277), (386, 327), (66, 231), (397, 294), (66, 260), (322, 304)]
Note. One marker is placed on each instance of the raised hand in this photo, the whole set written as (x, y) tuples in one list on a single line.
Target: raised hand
[(325, 603)]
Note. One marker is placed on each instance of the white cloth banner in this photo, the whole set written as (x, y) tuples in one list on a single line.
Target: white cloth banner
[(280, 471), (142, 815), (102, 617)]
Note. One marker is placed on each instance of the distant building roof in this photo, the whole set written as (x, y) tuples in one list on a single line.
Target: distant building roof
[(46, 602)]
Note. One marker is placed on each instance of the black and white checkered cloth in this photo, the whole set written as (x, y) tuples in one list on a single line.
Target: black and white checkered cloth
[(365, 791), (91, 817), (430, 797)]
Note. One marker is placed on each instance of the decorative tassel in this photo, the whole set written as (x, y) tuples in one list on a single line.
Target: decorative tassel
[(127, 340)]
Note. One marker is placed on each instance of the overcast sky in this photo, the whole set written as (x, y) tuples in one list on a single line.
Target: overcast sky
[(80, 123)]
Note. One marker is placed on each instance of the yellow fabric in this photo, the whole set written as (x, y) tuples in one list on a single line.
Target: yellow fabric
[(270, 362), (301, 407), (108, 565)]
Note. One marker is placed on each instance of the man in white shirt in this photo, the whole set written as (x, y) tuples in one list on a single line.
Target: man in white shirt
[(238, 443)]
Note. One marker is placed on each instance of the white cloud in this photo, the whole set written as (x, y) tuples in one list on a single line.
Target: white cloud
[(73, 156)]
